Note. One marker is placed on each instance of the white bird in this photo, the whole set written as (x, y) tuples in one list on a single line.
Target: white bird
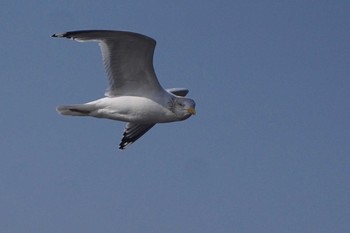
[(134, 95)]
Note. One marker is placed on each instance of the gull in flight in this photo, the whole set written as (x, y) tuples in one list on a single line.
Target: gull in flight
[(134, 95)]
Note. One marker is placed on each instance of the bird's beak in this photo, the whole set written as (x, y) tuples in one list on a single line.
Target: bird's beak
[(191, 111)]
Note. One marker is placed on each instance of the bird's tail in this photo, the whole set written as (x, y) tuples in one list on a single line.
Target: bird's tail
[(75, 110)]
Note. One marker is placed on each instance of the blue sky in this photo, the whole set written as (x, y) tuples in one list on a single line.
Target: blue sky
[(268, 150)]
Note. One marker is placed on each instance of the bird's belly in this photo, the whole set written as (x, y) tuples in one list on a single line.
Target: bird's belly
[(132, 109)]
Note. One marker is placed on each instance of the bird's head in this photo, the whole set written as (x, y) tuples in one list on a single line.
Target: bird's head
[(183, 107)]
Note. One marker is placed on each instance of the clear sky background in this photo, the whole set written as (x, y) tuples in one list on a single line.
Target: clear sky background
[(268, 151)]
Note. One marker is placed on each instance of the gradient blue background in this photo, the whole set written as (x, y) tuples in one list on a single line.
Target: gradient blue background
[(268, 150)]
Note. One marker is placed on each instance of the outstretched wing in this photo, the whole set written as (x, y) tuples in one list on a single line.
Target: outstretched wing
[(128, 60)]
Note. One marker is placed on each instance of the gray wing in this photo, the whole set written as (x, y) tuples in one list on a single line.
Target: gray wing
[(134, 131), (128, 60)]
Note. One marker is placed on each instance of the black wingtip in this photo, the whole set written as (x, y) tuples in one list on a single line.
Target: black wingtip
[(124, 143), (122, 146), (62, 34)]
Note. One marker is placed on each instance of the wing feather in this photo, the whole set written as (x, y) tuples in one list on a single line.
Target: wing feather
[(127, 58), (132, 132)]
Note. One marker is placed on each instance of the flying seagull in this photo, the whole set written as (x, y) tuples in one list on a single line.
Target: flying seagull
[(134, 95)]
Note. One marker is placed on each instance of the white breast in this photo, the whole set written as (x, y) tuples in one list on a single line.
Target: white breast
[(132, 109)]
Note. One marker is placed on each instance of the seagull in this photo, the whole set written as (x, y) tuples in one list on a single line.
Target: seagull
[(134, 95)]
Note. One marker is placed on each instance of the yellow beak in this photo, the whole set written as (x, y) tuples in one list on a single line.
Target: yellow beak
[(191, 111)]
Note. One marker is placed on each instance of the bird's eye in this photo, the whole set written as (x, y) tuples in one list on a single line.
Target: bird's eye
[(181, 104)]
